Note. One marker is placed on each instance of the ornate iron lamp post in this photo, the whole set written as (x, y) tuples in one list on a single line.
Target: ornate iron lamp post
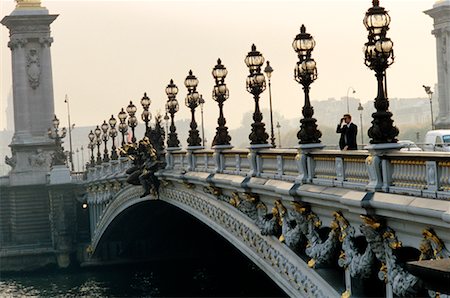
[(202, 102), (256, 84), (113, 134), (91, 146), (361, 109), (123, 126), (98, 140), (430, 97), (305, 73), (166, 120), (220, 94), (353, 92), (268, 71), (192, 101), (59, 157), (379, 55), (66, 100), (146, 116), (171, 108), (279, 134), (132, 120), (105, 138)]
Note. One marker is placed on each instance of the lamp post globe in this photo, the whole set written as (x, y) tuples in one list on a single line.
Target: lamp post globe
[(132, 120), (98, 141), (123, 126), (91, 146), (192, 101), (378, 56), (105, 139), (268, 71), (171, 108), (305, 73), (220, 94), (113, 134), (255, 85), (146, 116)]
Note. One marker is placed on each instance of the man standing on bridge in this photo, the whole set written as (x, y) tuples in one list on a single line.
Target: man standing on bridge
[(348, 131)]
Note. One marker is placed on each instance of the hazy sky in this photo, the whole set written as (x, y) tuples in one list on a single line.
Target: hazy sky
[(106, 53)]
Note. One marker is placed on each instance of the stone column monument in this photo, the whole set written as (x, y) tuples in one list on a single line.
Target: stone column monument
[(441, 15), (30, 41)]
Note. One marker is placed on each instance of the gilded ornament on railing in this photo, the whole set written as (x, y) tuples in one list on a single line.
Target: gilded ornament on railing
[(322, 252), (269, 223), (358, 264), (189, 185), (294, 225), (383, 242), (432, 247), (215, 191)]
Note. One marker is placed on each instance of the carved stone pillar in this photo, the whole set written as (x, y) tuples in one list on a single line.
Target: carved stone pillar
[(441, 16), (30, 41)]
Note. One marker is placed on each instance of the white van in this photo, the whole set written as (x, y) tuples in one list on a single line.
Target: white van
[(437, 140)]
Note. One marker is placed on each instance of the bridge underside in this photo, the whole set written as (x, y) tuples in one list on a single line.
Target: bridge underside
[(160, 234)]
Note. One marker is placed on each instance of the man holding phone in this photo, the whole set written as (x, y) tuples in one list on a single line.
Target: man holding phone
[(348, 131)]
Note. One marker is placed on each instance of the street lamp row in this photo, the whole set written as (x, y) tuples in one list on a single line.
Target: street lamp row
[(378, 54)]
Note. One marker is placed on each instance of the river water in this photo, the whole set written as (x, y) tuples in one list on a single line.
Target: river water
[(194, 278)]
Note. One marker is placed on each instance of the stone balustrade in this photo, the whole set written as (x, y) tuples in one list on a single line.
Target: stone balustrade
[(425, 174)]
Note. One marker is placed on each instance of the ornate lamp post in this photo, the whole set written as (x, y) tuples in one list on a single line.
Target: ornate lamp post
[(171, 108), (98, 140), (113, 134), (59, 157), (105, 138), (353, 92), (379, 55), (192, 101), (268, 71), (430, 97), (305, 73), (91, 146), (132, 120), (66, 100), (202, 102), (82, 158), (256, 84), (279, 134), (146, 116), (166, 120), (361, 109), (123, 126), (220, 94)]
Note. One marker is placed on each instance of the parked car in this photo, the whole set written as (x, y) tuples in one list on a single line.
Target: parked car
[(437, 140), (409, 146)]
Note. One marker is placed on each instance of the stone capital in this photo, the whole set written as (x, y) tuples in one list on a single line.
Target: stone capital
[(15, 43)]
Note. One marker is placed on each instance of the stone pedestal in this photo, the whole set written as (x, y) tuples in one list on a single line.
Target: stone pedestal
[(30, 41), (441, 16)]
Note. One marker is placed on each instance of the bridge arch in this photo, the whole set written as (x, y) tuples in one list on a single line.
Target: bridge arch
[(283, 266)]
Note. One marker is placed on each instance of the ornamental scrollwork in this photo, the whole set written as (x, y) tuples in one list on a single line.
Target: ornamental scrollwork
[(269, 223), (321, 251), (11, 161), (15, 43), (359, 264), (33, 68), (384, 242), (432, 247), (294, 226)]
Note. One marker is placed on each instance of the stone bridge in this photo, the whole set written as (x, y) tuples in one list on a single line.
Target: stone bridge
[(320, 223)]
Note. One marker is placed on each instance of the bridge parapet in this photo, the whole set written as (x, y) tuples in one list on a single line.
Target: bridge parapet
[(424, 174)]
